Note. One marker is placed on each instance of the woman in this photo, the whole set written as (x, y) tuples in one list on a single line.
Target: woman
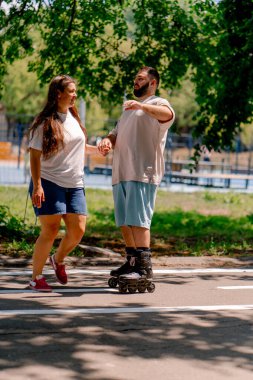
[(57, 143)]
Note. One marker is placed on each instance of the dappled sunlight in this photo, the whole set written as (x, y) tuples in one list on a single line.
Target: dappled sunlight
[(64, 343)]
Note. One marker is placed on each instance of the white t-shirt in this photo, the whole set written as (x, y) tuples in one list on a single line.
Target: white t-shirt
[(140, 143), (66, 167)]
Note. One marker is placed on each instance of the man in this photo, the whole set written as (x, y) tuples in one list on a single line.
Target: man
[(138, 167)]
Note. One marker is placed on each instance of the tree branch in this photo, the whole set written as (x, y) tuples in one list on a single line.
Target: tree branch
[(104, 40), (73, 12)]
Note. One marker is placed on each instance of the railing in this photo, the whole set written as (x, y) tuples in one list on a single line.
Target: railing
[(14, 161)]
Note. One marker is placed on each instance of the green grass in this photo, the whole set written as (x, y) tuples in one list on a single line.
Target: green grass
[(202, 223)]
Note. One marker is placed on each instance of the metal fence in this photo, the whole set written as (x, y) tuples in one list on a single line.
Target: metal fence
[(14, 158)]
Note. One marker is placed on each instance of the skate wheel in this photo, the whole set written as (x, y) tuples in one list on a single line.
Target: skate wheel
[(132, 289), (113, 282), (151, 288), (141, 289), (122, 288)]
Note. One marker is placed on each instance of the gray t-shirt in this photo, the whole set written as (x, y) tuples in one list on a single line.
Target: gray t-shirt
[(66, 167), (140, 143)]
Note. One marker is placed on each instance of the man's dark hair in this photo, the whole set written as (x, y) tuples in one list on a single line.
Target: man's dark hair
[(152, 72)]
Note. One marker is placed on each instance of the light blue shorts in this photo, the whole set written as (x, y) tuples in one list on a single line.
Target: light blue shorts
[(134, 203)]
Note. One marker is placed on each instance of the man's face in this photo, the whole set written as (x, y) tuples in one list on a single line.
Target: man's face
[(141, 84)]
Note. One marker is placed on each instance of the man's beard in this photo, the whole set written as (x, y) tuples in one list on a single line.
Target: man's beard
[(139, 92)]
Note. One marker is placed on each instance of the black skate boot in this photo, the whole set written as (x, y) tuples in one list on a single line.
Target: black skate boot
[(141, 278), (126, 268)]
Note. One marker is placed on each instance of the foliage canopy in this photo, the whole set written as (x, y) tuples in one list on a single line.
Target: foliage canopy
[(102, 43)]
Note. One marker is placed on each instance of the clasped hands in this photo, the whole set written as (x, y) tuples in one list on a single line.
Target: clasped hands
[(105, 145)]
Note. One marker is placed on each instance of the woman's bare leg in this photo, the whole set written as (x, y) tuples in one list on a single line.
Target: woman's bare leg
[(49, 229), (75, 228)]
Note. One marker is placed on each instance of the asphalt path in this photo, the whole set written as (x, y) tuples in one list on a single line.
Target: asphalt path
[(196, 325)]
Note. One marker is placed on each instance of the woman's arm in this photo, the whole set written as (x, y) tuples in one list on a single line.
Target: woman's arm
[(38, 193), (91, 149)]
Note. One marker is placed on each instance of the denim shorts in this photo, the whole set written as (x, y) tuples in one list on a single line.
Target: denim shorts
[(60, 200), (134, 203)]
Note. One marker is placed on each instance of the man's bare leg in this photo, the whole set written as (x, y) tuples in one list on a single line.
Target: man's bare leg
[(128, 236), (141, 236)]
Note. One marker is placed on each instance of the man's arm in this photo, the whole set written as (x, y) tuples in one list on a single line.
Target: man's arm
[(160, 113)]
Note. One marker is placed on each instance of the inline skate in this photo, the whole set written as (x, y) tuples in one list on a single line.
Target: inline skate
[(126, 268), (141, 278)]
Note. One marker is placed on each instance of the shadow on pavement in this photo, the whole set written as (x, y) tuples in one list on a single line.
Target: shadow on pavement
[(67, 342)]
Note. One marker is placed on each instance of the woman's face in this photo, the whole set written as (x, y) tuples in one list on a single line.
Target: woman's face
[(67, 98)]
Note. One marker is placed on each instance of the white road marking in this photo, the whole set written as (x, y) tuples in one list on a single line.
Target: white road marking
[(51, 271), (235, 287), (118, 310), (98, 290), (60, 290), (156, 271)]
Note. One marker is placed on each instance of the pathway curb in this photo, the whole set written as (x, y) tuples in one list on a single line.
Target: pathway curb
[(95, 256)]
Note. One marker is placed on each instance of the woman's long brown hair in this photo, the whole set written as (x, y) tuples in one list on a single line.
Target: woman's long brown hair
[(49, 118)]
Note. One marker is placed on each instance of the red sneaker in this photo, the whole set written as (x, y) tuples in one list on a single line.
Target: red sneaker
[(40, 285), (59, 271)]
